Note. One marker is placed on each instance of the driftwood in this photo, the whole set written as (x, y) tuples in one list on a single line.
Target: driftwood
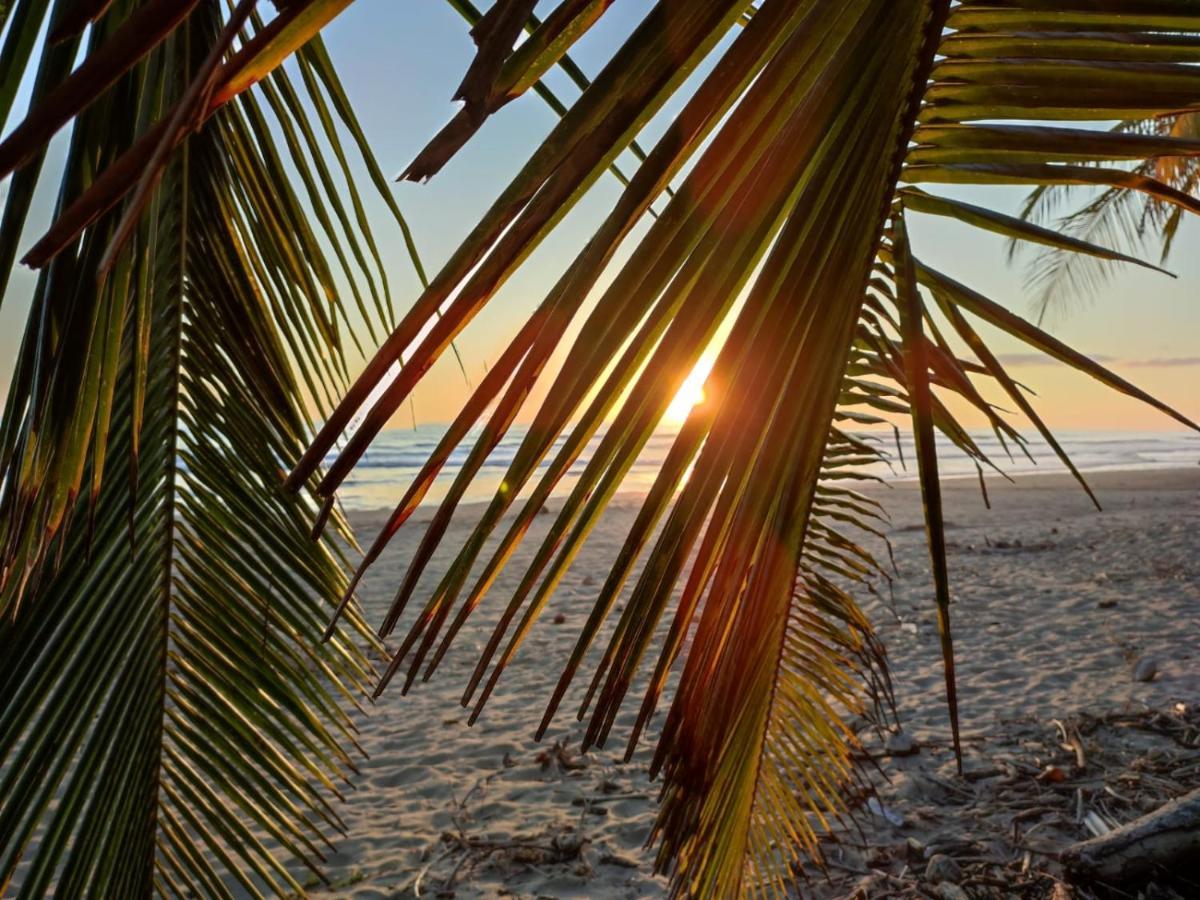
[(1166, 841)]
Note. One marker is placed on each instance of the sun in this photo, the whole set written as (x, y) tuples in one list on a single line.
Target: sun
[(690, 393)]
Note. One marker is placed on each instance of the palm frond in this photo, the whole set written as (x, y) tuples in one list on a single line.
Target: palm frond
[(1163, 148), (917, 372), (775, 226), (789, 137), (171, 723), (1118, 218), (805, 138)]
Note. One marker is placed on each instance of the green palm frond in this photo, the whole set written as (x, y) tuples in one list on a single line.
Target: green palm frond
[(815, 132), (171, 722)]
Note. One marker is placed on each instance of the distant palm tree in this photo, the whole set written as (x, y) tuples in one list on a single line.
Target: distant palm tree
[(169, 714)]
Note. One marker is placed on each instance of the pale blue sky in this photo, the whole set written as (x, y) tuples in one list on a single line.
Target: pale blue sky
[(400, 62)]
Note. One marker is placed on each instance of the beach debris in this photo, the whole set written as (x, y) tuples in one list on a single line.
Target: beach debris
[(562, 757), (569, 843), (1094, 824), (1070, 740), (1006, 828), (942, 868), (1052, 774), (916, 787), (1167, 839), (1002, 827), (416, 882), (616, 859), (565, 847), (948, 890), (560, 618), (979, 769), (1107, 604), (900, 743), (914, 850), (1145, 669), (1017, 546), (883, 812)]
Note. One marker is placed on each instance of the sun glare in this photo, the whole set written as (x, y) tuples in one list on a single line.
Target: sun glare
[(691, 393)]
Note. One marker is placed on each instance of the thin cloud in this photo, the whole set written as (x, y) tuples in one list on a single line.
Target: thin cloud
[(1165, 362), (1041, 359)]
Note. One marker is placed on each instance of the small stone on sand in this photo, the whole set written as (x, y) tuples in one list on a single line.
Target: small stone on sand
[(1145, 669), (914, 849), (901, 744), (942, 868)]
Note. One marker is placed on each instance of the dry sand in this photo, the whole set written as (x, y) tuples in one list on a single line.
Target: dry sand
[(1053, 603)]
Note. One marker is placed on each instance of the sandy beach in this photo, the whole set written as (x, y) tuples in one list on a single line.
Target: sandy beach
[(1054, 606)]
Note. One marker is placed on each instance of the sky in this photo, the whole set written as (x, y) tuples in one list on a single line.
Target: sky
[(400, 63)]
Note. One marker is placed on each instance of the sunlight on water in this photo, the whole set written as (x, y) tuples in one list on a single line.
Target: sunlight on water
[(397, 454)]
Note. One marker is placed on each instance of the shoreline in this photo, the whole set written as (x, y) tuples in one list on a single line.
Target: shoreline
[(1059, 479)]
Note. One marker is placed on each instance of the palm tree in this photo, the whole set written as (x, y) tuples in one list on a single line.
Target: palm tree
[(1113, 216), (183, 328), (171, 721)]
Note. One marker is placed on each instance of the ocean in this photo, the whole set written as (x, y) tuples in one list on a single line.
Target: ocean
[(396, 456)]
